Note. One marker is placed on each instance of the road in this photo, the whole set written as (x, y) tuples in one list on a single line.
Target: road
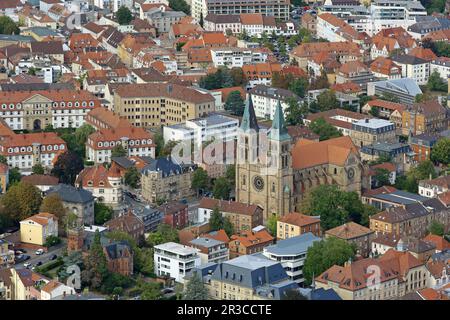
[(58, 249)]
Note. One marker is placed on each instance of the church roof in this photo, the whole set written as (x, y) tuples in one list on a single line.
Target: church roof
[(279, 131), (249, 119)]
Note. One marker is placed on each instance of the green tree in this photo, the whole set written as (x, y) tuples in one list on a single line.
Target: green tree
[(151, 291), (299, 86), (14, 176), (180, 5), (118, 151), (195, 289), (367, 212), (327, 100), (324, 129), (238, 77), (441, 151), (164, 233), (159, 141), (295, 113), (221, 189), (321, 82), (53, 204), (235, 104), (102, 213), (292, 294), (199, 180), (382, 176), (3, 159), (216, 220), (324, 254), (21, 201), (272, 224), (8, 26), (132, 177), (96, 270), (51, 241), (436, 83), (222, 78), (436, 228), (67, 167), (201, 22), (228, 227), (230, 174), (375, 111), (124, 15), (38, 169)]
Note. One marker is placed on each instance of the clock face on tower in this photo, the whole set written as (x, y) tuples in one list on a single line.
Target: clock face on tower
[(258, 183), (351, 173)]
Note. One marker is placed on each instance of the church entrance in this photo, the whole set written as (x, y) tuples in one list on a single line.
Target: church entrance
[(37, 124)]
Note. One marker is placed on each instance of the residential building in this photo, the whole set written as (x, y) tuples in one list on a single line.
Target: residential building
[(164, 178), (102, 118), (433, 187), (175, 260), (119, 258), (244, 217), (162, 17), (391, 171), (265, 100), (400, 273), (309, 22), (339, 118), (440, 243), (54, 289), (355, 234), (129, 223), (6, 255), (4, 177), (386, 110), (414, 68), (356, 72), (399, 153), (405, 89), (175, 214), (422, 144), (390, 40), (233, 57), (442, 66), (37, 228), (211, 250), (385, 197), (260, 73), (291, 253), (369, 131), (385, 68), (424, 117), (77, 201), (249, 242), (41, 181), (104, 184), (295, 224), (155, 104), (151, 217)]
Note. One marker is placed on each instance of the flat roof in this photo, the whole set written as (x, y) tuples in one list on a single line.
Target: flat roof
[(206, 242), (292, 246), (400, 196), (373, 123), (252, 262), (176, 248)]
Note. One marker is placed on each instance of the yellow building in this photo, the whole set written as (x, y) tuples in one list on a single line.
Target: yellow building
[(4, 177), (37, 228)]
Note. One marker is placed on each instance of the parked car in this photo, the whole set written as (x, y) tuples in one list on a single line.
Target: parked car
[(39, 252), (53, 257), (27, 265), (38, 264)]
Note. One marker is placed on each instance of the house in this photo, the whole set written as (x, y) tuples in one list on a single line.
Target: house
[(383, 67), (390, 40), (440, 243), (355, 234), (249, 242), (387, 110), (295, 224), (425, 117), (52, 49), (414, 68), (38, 227), (6, 255), (42, 181), (119, 258), (77, 201), (309, 22), (260, 73), (292, 252), (387, 196), (54, 289), (265, 100), (102, 118), (128, 223), (211, 250), (442, 66), (243, 217), (175, 260), (391, 171), (432, 187), (175, 214), (369, 131)]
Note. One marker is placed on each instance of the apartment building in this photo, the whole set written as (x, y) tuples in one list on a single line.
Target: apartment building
[(175, 214), (355, 234), (260, 73), (369, 131), (265, 100), (155, 104), (37, 228), (295, 224), (291, 253), (414, 68), (442, 66), (424, 117), (233, 57), (385, 68), (249, 242), (175, 260), (211, 250), (432, 187)]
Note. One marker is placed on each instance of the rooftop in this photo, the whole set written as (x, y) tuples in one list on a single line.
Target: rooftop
[(292, 246), (176, 248)]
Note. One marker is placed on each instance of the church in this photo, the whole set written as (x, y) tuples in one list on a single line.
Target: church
[(275, 174)]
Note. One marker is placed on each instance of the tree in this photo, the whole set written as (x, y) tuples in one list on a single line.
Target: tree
[(294, 112), (230, 174), (321, 82), (3, 159), (118, 151), (67, 167), (441, 151), (390, 97), (327, 101), (436, 228), (324, 129), (53, 204), (382, 177), (151, 291), (8, 26), (201, 22), (124, 16), (51, 241), (215, 220), (164, 233), (102, 213), (80, 138), (14, 176), (375, 111), (235, 104), (367, 212), (21, 201), (324, 254), (199, 180), (132, 177), (195, 289), (272, 224), (221, 189), (159, 141), (292, 294), (228, 227), (222, 78), (410, 182), (299, 86), (38, 169), (96, 269), (436, 83), (238, 77), (180, 5)]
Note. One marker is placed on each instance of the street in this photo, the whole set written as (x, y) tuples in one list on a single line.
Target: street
[(44, 258)]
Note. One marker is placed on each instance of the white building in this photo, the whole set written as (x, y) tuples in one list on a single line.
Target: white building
[(236, 57), (432, 188), (442, 66), (214, 126), (291, 253), (160, 17), (413, 67), (265, 100), (175, 260), (54, 289), (211, 250)]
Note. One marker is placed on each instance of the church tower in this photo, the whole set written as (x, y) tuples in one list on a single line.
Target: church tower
[(264, 169)]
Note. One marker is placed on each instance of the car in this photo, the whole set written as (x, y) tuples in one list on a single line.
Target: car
[(167, 290), (39, 252), (38, 264), (53, 257), (27, 265), (26, 257)]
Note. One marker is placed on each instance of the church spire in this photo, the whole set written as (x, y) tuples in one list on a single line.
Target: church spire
[(249, 118), (279, 131)]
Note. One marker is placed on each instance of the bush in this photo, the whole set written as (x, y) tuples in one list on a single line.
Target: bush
[(51, 265), (52, 241)]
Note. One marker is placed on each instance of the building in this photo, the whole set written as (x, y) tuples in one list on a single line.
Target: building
[(175, 260), (214, 127), (291, 253), (161, 17), (102, 118), (355, 72), (400, 273), (385, 109), (155, 104), (175, 214), (37, 109), (37, 228), (442, 66), (369, 131), (355, 234), (246, 278), (244, 217), (385, 197), (265, 100), (119, 258), (151, 217), (4, 177), (53, 289), (233, 57), (424, 117), (249, 242), (104, 184), (404, 89), (432, 187), (295, 224), (422, 144), (413, 67), (77, 201), (399, 153), (260, 73), (128, 223), (211, 250), (390, 40), (164, 178), (41, 181), (385, 68), (6, 255)]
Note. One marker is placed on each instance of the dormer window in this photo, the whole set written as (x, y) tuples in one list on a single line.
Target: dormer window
[(90, 183), (69, 104)]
